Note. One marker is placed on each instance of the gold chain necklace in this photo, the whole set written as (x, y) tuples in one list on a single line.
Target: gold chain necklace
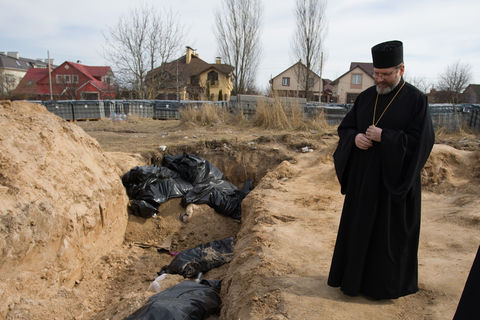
[(388, 105)]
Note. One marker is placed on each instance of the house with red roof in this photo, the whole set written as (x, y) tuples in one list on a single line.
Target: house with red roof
[(13, 68), (68, 81)]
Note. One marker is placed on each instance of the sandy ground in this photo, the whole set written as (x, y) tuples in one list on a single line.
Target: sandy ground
[(288, 229), (295, 223)]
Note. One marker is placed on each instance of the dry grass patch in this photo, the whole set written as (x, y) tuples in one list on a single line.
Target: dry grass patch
[(271, 116), (204, 115), (319, 122), (268, 116), (207, 115), (278, 116), (462, 132), (463, 138)]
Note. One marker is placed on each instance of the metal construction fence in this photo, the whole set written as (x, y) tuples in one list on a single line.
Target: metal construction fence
[(451, 117), (74, 110), (454, 117), (448, 116)]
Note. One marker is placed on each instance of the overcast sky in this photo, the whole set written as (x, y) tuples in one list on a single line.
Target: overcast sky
[(435, 33)]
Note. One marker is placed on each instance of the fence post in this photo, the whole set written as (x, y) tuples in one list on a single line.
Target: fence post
[(73, 111), (473, 118)]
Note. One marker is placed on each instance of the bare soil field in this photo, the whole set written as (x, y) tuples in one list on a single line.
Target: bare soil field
[(69, 250)]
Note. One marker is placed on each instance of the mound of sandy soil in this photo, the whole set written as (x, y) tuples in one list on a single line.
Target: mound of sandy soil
[(63, 205), (449, 168)]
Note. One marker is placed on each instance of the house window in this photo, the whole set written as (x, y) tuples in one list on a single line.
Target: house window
[(310, 82), (9, 78), (106, 79), (194, 80), (68, 78), (59, 78), (90, 95), (212, 78), (75, 78), (286, 81), (356, 78), (351, 97)]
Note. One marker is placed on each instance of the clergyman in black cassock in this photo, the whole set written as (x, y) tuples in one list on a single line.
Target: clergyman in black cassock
[(468, 307), (377, 242)]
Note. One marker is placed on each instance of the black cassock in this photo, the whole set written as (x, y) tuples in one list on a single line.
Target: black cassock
[(376, 249)]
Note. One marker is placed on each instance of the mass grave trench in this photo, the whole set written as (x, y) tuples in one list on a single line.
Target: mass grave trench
[(237, 163), (168, 232)]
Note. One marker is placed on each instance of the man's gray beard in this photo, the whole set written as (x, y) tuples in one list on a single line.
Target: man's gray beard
[(388, 89), (385, 90)]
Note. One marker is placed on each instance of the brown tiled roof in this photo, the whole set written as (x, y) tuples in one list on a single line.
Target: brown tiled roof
[(474, 87), (366, 66), (327, 85), (292, 66), (185, 71)]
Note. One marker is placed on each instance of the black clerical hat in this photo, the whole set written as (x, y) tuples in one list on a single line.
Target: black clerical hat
[(387, 54)]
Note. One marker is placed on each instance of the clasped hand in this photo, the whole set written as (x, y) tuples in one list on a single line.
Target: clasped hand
[(364, 140)]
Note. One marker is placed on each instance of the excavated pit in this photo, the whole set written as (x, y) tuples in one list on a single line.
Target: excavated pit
[(167, 233)]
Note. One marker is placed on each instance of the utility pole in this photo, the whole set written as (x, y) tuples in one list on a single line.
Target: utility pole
[(177, 81), (49, 75), (321, 81)]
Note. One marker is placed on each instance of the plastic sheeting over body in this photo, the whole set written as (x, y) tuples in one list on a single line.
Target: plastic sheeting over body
[(202, 258), (192, 178), (187, 300)]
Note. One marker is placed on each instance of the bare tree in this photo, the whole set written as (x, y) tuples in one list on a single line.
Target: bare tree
[(237, 31), (142, 41), (455, 79), (165, 38), (308, 41), (421, 83)]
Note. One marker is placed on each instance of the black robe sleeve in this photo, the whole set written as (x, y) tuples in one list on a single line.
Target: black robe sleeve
[(346, 131), (404, 152)]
